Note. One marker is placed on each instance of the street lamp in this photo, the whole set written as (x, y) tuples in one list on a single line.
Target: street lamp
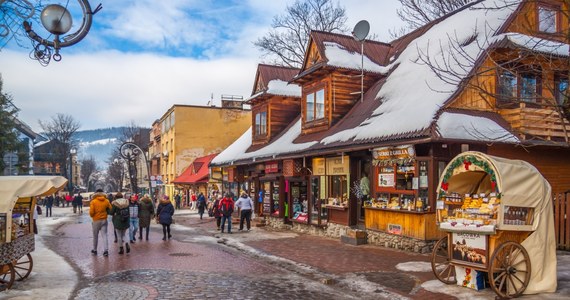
[(71, 154), (57, 20), (130, 151)]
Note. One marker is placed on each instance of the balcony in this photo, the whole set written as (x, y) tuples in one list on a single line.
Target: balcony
[(542, 123)]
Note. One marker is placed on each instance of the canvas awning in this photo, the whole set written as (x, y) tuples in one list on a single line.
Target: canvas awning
[(197, 172)]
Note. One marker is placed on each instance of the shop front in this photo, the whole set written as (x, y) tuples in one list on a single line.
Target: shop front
[(401, 211)]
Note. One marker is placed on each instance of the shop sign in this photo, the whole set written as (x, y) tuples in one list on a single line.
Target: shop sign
[(319, 166), (469, 248), (386, 180), (338, 165), (395, 229), (289, 168), (271, 167), (231, 174), (394, 154)]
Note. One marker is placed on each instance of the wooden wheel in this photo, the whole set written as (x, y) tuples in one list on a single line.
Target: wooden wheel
[(23, 267), (7, 276), (509, 270), (440, 262)]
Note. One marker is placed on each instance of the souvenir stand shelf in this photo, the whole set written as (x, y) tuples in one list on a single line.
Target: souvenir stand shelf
[(17, 204), (495, 213)]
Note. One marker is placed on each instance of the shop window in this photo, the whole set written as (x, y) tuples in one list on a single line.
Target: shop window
[(561, 89), (338, 194), (300, 206), (318, 209), (275, 199), (261, 123), (547, 19), (315, 105)]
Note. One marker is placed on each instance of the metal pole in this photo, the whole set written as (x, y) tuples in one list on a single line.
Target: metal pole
[(362, 71)]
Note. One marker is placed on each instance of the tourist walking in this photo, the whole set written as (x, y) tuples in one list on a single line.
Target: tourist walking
[(177, 200), (146, 213), (120, 213), (78, 203), (164, 214), (68, 200), (193, 199), (201, 204), (133, 218), (216, 211), (99, 208), (49, 204), (226, 208), (245, 204)]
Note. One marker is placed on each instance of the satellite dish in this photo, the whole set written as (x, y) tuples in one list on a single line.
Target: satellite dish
[(361, 30)]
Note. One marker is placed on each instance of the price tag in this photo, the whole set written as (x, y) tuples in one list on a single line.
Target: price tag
[(439, 204)]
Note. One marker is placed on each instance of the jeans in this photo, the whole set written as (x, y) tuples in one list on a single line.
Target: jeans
[(133, 226), (166, 230), (121, 236), (48, 211), (229, 218), (245, 214), (100, 226)]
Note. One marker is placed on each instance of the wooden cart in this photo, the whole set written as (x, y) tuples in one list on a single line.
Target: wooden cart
[(499, 222), (17, 204)]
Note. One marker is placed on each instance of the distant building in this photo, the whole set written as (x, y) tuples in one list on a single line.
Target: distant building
[(20, 162)]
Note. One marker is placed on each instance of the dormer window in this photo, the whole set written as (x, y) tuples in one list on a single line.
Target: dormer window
[(261, 123), (547, 19), (315, 104)]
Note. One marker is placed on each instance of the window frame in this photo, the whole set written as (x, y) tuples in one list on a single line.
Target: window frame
[(315, 116), (262, 109), (260, 123), (516, 97), (552, 8), (559, 78)]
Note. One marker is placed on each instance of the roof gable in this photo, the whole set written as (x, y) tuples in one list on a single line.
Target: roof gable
[(266, 73)]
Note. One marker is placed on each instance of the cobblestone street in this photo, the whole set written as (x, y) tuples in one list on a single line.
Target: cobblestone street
[(201, 263)]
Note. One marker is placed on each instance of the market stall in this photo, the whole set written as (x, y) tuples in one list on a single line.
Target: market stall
[(498, 217), (17, 204)]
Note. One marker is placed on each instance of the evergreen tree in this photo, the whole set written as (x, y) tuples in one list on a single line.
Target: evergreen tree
[(8, 135)]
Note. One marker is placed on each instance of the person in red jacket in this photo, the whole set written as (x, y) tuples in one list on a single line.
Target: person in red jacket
[(226, 208)]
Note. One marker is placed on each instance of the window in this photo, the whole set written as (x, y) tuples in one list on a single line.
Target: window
[(547, 19), (523, 86), (529, 88), (172, 119), (507, 89), (561, 89), (261, 123), (315, 105)]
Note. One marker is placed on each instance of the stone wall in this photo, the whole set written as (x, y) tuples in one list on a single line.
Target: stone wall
[(378, 238)]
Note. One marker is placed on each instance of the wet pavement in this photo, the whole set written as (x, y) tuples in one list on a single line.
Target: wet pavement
[(201, 263)]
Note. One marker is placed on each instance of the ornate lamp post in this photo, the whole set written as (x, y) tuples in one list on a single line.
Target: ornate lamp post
[(57, 20), (130, 151), (71, 186)]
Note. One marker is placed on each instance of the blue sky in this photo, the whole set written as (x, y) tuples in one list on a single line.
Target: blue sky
[(143, 56)]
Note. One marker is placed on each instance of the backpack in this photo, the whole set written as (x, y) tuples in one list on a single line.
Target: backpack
[(124, 214)]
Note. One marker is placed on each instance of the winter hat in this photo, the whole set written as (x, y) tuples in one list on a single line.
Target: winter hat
[(118, 195)]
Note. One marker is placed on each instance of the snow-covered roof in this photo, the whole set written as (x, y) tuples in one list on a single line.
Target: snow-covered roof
[(458, 126), (282, 145), (413, 93), (534, 44), (278, 87), (339, 56)]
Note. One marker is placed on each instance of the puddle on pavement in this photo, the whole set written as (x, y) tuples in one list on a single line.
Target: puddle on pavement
[(393, 280)]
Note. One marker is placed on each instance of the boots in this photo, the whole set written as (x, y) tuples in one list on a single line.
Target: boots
[(128, 247), (121, 250)]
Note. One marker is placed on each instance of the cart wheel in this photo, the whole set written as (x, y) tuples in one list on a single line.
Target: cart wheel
[(7, 276), (23, 267), (509, 270), (440, 262)]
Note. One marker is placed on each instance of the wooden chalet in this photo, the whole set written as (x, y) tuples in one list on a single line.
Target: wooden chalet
[(490, 80)]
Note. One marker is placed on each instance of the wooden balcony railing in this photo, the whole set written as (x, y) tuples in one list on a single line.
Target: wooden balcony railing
[(545, 123)]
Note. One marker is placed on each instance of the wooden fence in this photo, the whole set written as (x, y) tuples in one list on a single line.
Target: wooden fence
[(561, 221)]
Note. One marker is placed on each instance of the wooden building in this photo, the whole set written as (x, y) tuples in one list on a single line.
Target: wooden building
[(489, 80)]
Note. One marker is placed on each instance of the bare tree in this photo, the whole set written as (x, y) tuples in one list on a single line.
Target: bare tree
[(8, 135), (135, 134), (61, 129), (286, 43), (115, 173), (416, 13), (88, 168)]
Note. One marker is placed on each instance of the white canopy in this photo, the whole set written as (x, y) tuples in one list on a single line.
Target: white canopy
[(520, 184), (14, 187)]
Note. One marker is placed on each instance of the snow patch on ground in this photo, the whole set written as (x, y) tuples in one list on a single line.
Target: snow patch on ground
[(461, 293), (414, 266), (360, 283)]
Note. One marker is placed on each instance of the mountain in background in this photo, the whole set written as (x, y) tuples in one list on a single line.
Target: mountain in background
[(98, 143)]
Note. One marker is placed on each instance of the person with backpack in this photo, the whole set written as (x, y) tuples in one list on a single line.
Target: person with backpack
[(164, 213), (226, 208), (245, 204), (120, 213), (146, 212), (201, 205)]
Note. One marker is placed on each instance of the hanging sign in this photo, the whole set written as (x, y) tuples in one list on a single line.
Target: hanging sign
[(338, 165), (319, 166), (271, 167)]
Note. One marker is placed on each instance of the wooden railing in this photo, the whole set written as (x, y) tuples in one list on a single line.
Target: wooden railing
[(540, 122), (561, 220)]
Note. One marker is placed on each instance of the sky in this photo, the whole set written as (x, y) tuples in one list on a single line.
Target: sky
[(143, 56)]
